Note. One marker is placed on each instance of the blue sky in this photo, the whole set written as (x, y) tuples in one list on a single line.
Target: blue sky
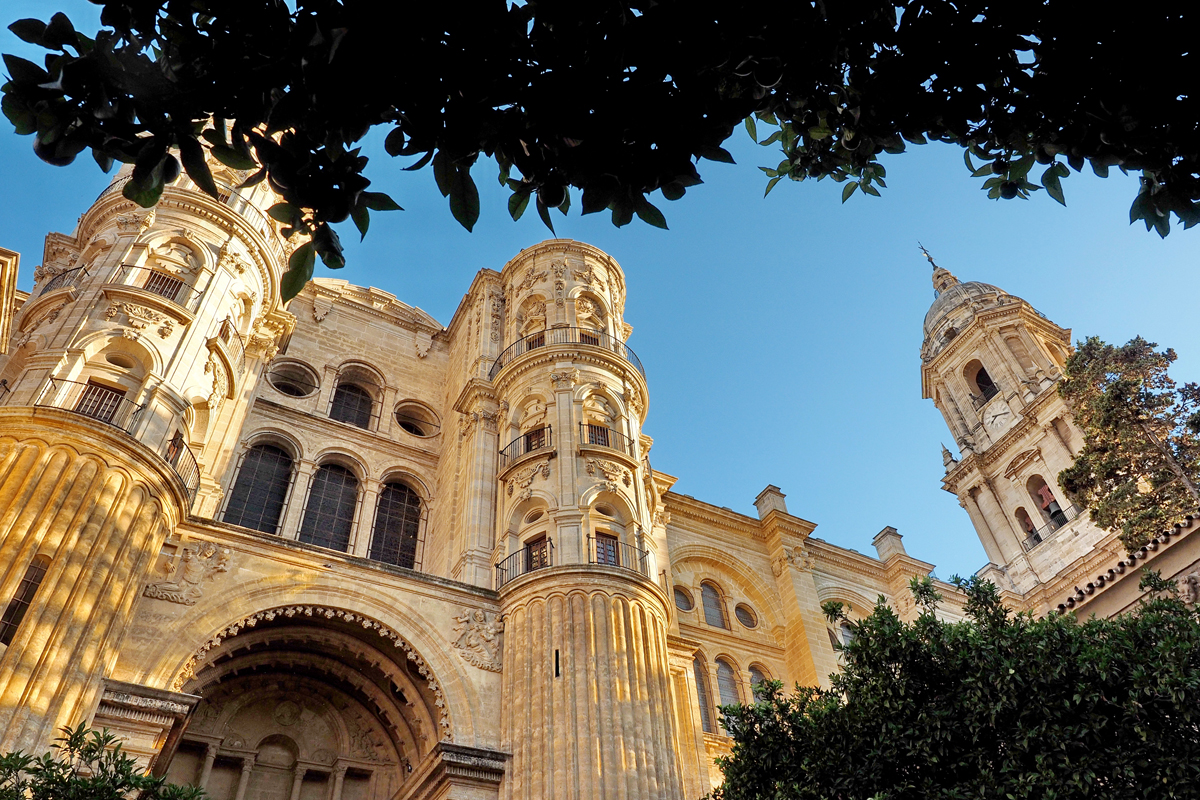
[(780, 336)]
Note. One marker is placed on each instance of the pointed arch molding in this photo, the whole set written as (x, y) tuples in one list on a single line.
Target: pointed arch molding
[(188, 671)]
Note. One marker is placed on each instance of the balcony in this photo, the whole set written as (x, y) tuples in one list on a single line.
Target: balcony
[(609, 551), (599, 436), (112, 407), (63, 280), (532, 557), (529, 442), (159, 283), (556, 336), (1057, 520), (233, 345)]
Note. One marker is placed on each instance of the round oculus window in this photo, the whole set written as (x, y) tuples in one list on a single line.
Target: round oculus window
[(292, 379), (416, 419), (683, 599), (745, 615)]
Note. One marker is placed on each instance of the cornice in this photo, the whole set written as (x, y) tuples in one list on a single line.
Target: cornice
[(548, 355), (475, 392), (396, 311), (555, 246), (977, 461), (691, 508)]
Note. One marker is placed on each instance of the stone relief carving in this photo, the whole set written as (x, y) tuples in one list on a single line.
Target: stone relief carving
[(423, 342), (264, 338), (220, 385), (1189, 588), (564, 380), (797, 557), (523, 479), (589, 275), (532, 277), (597, 409), (559, 269), (135, 222), (140, 316), (321, 308), (611, 471), (498, 315), (535, 412), (468, 421), (634, 401), (47, 317), (479, 639), (230, 260), (589, 308), (349, 617), (200, 562)]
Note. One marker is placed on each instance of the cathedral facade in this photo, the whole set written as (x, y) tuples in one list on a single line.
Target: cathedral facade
[(339, 551)]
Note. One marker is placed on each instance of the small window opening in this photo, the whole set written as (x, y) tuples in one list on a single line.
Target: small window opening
[(22, 599), (557, 670)]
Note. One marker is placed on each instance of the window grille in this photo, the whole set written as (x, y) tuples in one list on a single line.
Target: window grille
[(22, 599), (745, 615), (706, 715), (163, 285), (727, 683), (99, 402), (351, 404), (260, 490), (683, 600), (714, 610), (329, 512), (607, 550), (397, 524)]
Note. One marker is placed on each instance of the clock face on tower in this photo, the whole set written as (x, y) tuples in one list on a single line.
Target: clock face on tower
[(997, 416)]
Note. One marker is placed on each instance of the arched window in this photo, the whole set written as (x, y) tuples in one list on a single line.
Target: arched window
[(714, 609), (706, 712), (260, 489), (757, 678), (21, 601), (351, 404), (980, 382), (397, 523), (727, 683), (1043, 497), (329, 513)]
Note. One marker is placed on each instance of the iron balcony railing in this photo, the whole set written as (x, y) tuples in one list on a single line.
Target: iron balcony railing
[(610, 551), (159, 283), (92, 400), (72, 277), (537, 439), (181, 459), (554, 336), (234, 344), (1057, 520), (600, 436), (980, 400), (532, 557)]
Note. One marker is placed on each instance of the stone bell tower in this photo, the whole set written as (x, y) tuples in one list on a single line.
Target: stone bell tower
[(128, 368), (991, 364), (579, 544)]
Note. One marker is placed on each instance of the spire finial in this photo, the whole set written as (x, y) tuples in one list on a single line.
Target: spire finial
[(948, 458), (926, 252)]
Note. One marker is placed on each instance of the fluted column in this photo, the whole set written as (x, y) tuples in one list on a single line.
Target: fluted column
[(587, 692), (101, 522)]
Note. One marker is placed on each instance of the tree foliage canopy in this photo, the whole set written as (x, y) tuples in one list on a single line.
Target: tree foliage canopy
[(999, 706), (616, 99), (85, 765), (1140, 463)]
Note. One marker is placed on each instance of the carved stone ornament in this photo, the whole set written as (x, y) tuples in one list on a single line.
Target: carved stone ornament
[(321, 308), (468, 421), (350, 618), (479, 639), (589, 275), (47, 317), (797, 557), (498, 315), (532, 277), (423, 342), (524, 478), (564, 380), (264, 338), (611, 471), (200, 562), (140, 316), (220, 385), (559, 268), (662, 518), (1189, 588), (230, 260), (135, 222)]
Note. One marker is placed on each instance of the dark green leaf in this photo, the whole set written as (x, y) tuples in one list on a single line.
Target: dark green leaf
[(1050, 181), (715, 154), (420, 162), (60, 31), (191, 153), (300, 270), (751, 128), (517, 202), (848, 190), (443, 172), (285, 213), (464, 197), (230, 157), (362, 220), (544, 213), (29, 30), (771, 185), (378, 201), (622, 213), (649, 214), (673, 190), (22, 71), (255, 179), (394, 143)]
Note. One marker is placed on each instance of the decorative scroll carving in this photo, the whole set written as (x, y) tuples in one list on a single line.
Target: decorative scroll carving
[(498, 315), (189, 668), (559, 268), (611, 471), (321, 308), (589, 275), (264, 337), (479, 639), (140, 316), (220, 385), (135, 222), (524, 478), (468, 421), (797, 557), (230, 260), (532, 276), (565, 380), (46, 318), (200, 562), (423, 342)]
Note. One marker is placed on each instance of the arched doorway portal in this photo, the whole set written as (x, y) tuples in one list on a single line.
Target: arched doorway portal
[(307, 703)]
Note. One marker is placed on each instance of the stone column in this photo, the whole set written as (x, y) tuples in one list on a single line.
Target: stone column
[(339, 777), (244, 778), (298, 773), (364, 519), (602, 724), (101, 520), (480, 445), (986, 537), (210, 756), (293, 514)]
